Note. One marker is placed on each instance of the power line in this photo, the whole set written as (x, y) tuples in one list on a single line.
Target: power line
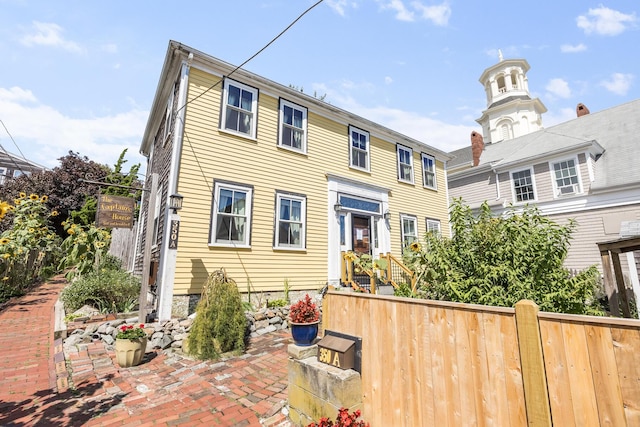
[(10, 157), (255, 54)]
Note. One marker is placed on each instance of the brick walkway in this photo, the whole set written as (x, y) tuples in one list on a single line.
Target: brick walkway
[(41, 386)]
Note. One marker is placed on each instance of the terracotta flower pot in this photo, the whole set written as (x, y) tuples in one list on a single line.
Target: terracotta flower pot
[(129, 352)]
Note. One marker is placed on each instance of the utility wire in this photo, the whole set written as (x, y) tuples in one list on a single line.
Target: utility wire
[(10, 157), (255, 54)]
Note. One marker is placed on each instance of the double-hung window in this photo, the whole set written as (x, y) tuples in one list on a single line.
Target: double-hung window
[(428, 171), (565, 177), (293, 126), (409, 230), (359, 149), (433, 226), (231, 219), (239, 108), (523, 187), (290, 221), (405, 164)]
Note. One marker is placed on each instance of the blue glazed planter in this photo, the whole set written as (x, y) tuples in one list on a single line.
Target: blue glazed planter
[(304, 333)]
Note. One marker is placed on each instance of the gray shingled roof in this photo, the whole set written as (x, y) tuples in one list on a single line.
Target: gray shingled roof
[(616, 130)]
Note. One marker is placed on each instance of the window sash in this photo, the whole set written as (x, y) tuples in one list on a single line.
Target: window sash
[(566, 176), (232, 215), (523, 186), (290, 226), (293, 125), (405, 164), (359, 149), (428, 171), (240, 105), (409, 230), (433, 226)]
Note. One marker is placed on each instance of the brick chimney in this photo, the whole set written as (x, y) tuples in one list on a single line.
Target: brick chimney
[(477, 145), (581, 110)]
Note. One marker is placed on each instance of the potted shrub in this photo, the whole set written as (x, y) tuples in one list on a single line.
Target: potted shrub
[(304, 318), (131, 343)]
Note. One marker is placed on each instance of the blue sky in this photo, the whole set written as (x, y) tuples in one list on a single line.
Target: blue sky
[(81, 75)]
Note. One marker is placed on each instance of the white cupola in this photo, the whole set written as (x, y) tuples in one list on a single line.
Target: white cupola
[(510, 110)]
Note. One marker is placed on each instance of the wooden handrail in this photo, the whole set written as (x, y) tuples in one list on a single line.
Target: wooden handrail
[(347, 273)]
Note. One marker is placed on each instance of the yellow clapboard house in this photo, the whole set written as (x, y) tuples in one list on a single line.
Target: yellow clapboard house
[(276, 184)]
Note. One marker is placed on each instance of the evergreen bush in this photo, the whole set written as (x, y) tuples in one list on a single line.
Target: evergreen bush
[(220, 324)]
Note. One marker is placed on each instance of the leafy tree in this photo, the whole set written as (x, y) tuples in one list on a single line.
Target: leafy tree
[(69, 192), (65, 185), (499, 260)]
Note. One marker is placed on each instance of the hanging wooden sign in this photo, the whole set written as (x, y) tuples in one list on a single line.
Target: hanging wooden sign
[(115, 211)]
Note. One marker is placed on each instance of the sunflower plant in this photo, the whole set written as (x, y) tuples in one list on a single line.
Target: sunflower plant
[(84, 248), (30, 248)]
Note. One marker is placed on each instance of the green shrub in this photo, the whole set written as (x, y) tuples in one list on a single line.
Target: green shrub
[(106, 289), (276, 303), (220, 323), (500, 260)]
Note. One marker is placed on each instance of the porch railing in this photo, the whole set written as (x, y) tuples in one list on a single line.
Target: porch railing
[(367, 279)]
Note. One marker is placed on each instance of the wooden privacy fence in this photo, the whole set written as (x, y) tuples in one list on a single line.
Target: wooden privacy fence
[(427, 363)]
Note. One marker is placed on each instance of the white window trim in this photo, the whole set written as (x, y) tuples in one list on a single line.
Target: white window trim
[(413, 218), (156, 216), (254, 108), (168, 120), (556, 191), (368, 151), (424, 172), (533, 184), (214, 215), (410, 150), (285, 103), (303, 219), (431, 222)]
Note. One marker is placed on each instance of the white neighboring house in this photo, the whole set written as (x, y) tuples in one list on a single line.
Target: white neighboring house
[(12, 166), (585, 169)]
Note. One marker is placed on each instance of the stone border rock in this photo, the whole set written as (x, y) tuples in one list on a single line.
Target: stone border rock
[(172, 333)]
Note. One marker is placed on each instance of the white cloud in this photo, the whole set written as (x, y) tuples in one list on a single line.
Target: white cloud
[(402, 13), (49, 34), (605, 21), (16, 94), (562, 115), (559, 88), (45, 134), (443, 136), (567, 48), (438, 14), (388, 80), (618, 83), (340, 6)]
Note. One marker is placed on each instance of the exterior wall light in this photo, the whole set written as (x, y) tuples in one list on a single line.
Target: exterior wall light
[(337, 207), (386, 215), (175, 202)]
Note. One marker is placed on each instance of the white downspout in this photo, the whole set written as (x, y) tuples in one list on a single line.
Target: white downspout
[(167, 267)]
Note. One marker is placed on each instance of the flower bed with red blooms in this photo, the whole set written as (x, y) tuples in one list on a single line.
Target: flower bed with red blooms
[(343, 419), (131, 332)]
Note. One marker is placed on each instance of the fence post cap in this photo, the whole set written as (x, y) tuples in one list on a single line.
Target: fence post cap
[(526, 302)]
